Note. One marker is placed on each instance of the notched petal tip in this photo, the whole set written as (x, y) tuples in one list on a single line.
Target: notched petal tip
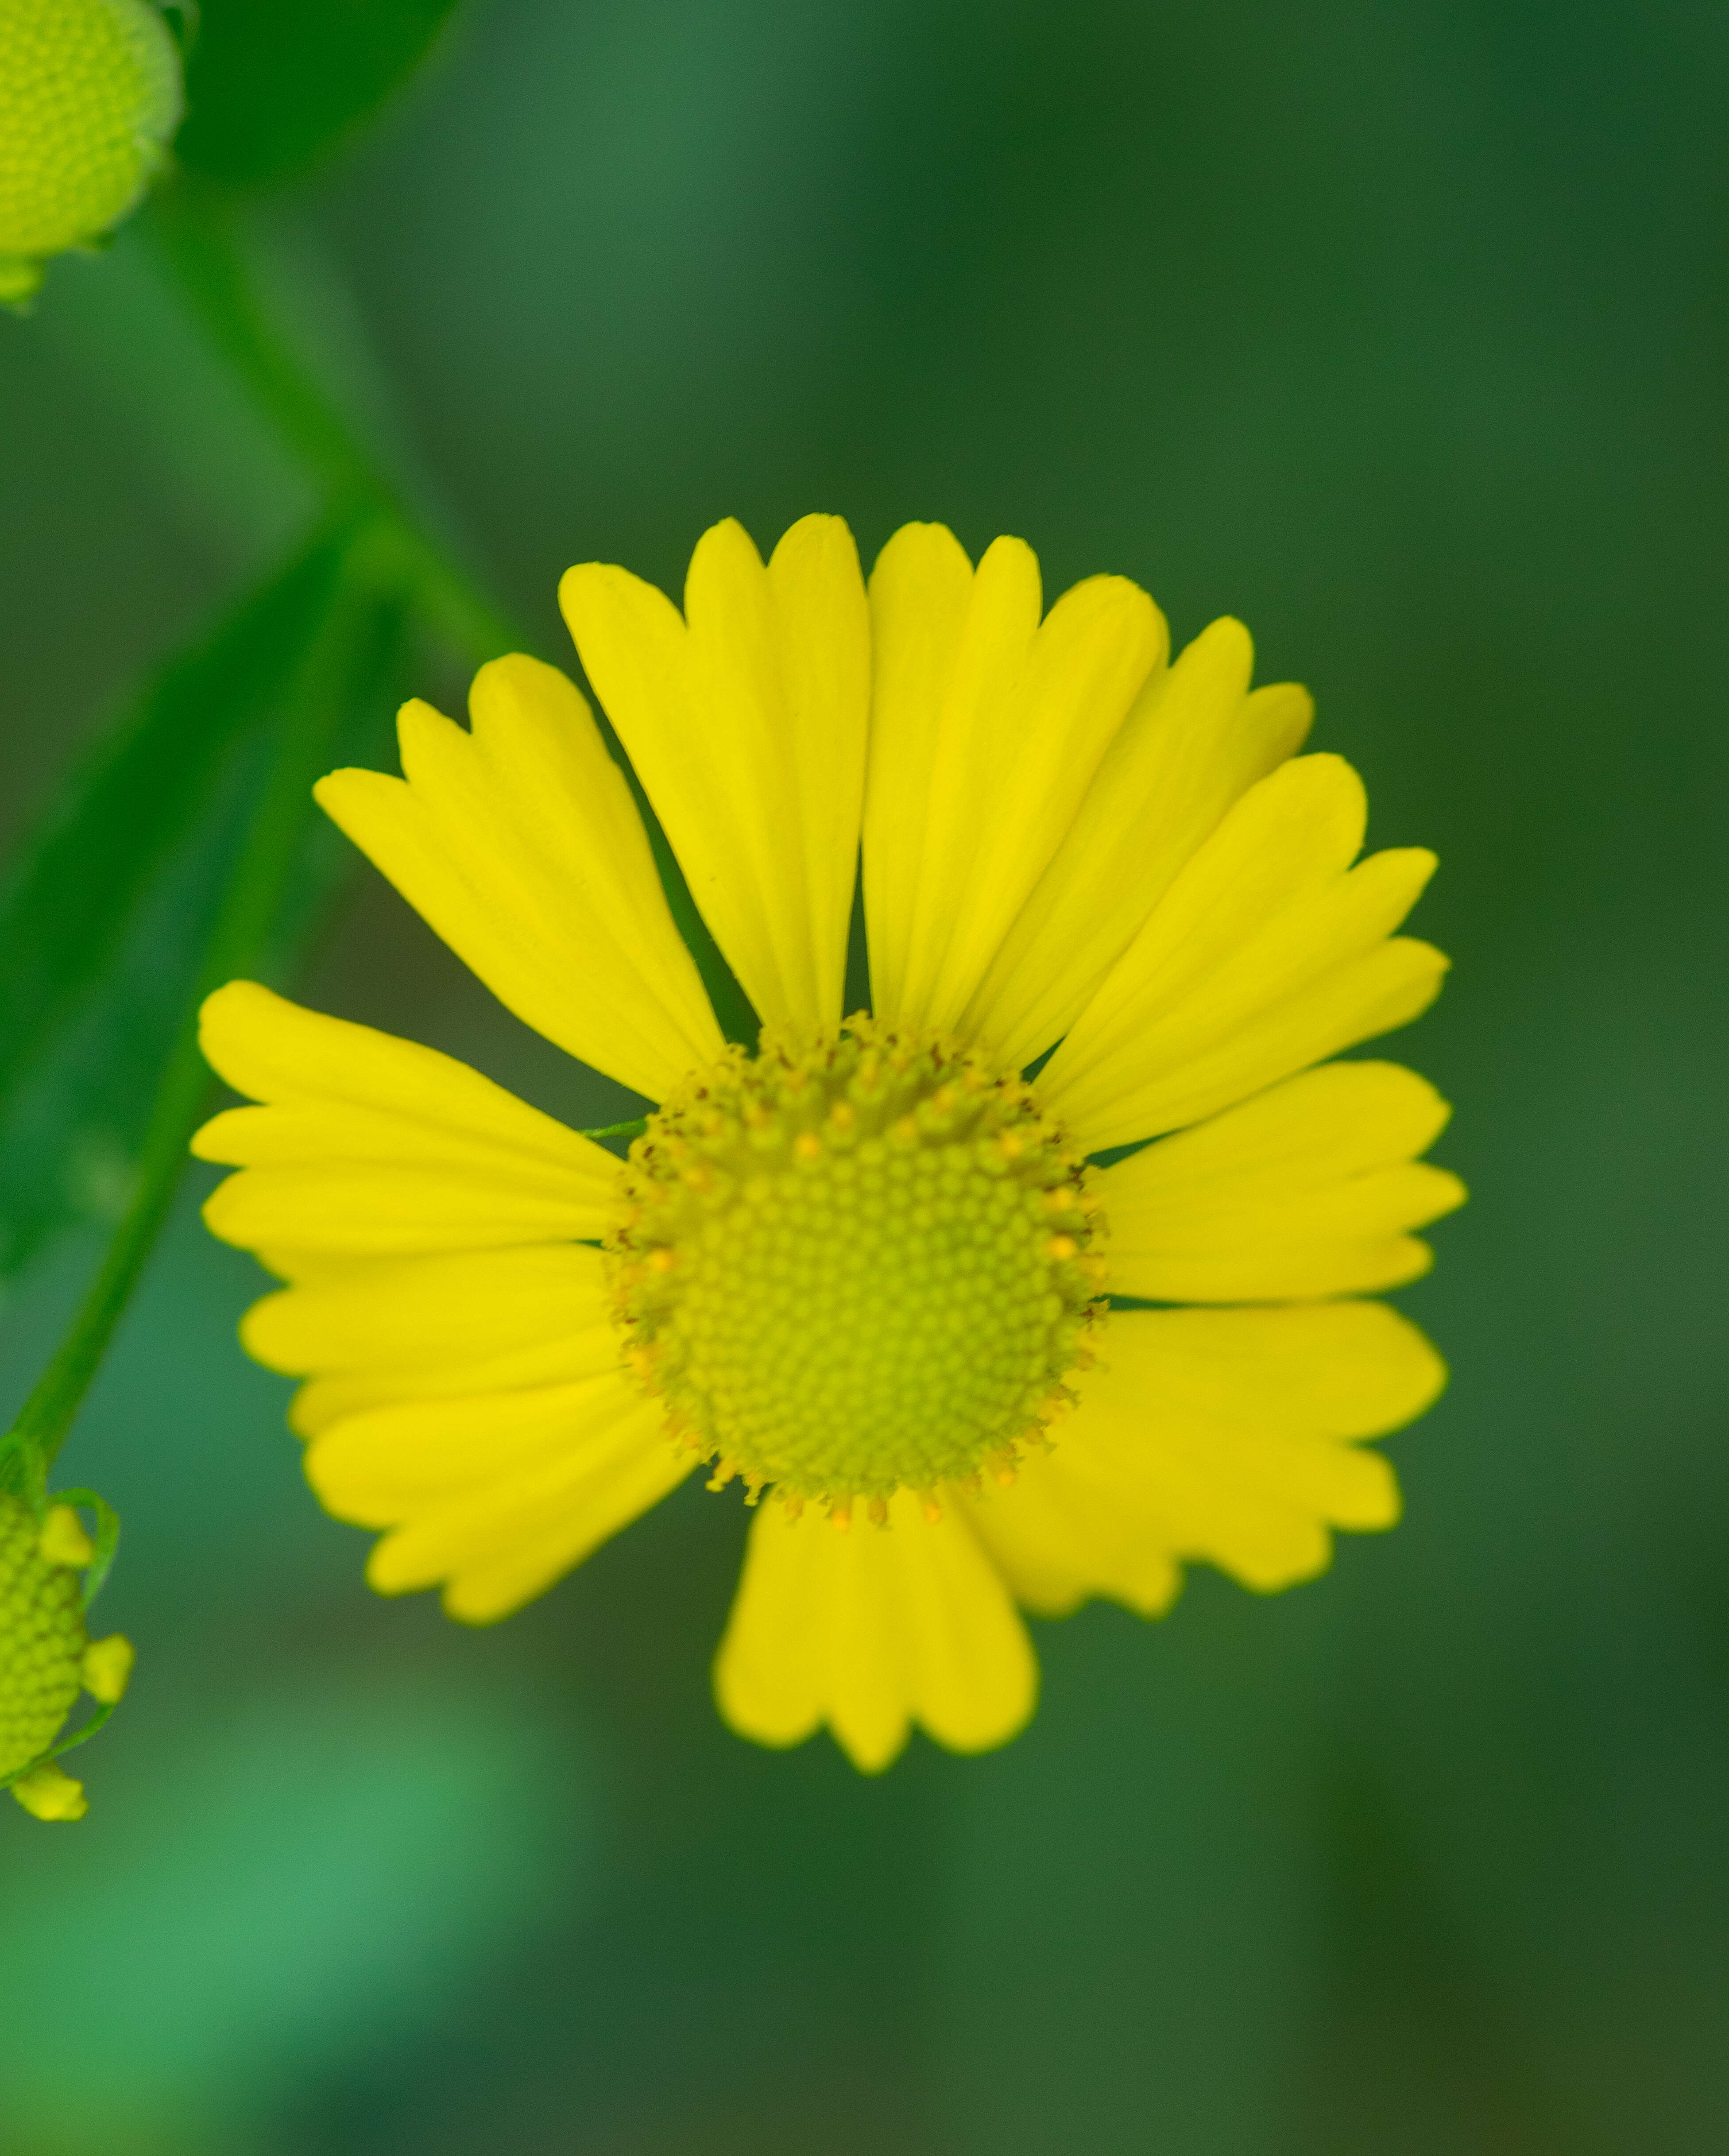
[(505, 684), (1322, 785), (352, 799), (1282, 715), (916, 551), (1111, 607), (1225, 639), (430, 746), (871, 1752), (871, 1633), (628, 634), (819, 533)]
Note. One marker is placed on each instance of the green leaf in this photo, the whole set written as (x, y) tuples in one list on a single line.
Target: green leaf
[(272, 84), (106, 921)]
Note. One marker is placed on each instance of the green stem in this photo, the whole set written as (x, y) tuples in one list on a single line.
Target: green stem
[(313, 708), (38, 1434), (203, 237)]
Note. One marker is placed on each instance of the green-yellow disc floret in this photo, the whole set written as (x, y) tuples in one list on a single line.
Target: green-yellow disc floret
[(89, 97), (859, 1262), (42, 1639)]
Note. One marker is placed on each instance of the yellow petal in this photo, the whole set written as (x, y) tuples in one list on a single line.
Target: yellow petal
[(418, 1457), (580, 1350), (1328, 1369), (746, 722), (1079, 1522), (1306, 1190), (987, 727), (384, 1211), (871, 1630), (1222, 1434), (1269, 953), (613, 1493), (921, 596), (496, 1496), (414, 1311), (371, 1146), (519, 845), (1194, 740)]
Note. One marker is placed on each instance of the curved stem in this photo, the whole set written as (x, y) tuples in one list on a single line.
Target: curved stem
[(313, 708), (204, 239)]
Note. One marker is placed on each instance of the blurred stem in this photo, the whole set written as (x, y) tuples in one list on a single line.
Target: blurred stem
[(312, 709), (204, 238)]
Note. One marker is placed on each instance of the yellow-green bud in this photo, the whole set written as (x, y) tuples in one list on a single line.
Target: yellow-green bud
[(89, 98), (42, 1641), (108, 1668), (64, 1540), (51, 1794)]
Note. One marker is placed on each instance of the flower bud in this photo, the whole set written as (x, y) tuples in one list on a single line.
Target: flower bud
[(89, 98)]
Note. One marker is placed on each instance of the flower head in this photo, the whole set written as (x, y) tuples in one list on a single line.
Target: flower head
[(89, 98), (964, 1337), (47, 1657)]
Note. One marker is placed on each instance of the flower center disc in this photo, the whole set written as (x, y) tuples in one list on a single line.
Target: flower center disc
[(861, 1262), (42, 1639)]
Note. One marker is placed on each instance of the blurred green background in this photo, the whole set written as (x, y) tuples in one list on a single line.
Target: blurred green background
[(1400, 328)]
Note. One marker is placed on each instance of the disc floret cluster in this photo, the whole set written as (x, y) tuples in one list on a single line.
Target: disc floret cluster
[(89, 97), (44, 1610), (861, 1262), (47, 1657)]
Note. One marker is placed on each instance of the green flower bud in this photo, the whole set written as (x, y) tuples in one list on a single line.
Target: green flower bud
[(89, 98), (42, 1637)]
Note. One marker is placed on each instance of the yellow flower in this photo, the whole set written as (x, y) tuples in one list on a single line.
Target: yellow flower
[(89, 97), (866, 1270)]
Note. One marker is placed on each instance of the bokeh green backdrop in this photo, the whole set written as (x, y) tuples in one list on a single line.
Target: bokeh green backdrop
[(1396, 327)]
